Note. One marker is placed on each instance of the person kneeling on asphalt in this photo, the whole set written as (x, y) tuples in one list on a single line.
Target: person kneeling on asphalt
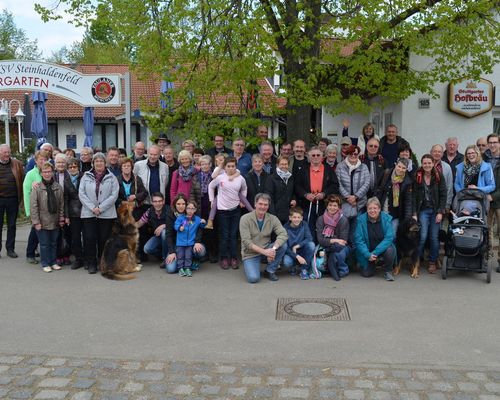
[(256, 229), (156, 217), (374, 238), (300, 244)]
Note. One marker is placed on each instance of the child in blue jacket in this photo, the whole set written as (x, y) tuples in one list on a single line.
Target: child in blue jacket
[(186, 226), (300, 244)]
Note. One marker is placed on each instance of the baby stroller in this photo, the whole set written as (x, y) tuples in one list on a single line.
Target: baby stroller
[(467, 240)]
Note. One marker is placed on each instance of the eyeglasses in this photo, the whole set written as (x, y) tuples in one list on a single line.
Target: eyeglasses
[(190, 208), (484, 145), (354, 154), (490, 143), (316, 155), (373, 145)]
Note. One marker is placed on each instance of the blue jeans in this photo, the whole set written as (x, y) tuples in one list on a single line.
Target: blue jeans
[(229, 223), (48, 246), (32, 243), (184, 256), (157, 246), (172, 267), (307, 252), (337, 255), (429, 228), (252, 265)]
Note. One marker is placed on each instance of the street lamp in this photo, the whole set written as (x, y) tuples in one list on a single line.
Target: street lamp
[(6, 108)]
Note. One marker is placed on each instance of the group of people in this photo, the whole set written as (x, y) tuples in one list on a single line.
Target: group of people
[(347, 200)]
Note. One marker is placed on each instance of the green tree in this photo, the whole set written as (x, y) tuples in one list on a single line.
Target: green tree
[(347, 55), (14, 44)]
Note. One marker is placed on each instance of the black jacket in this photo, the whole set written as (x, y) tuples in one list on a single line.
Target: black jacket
[(139, 190), (253, 186), (72, 204), (303, 186), (384, 192), (438, 193), (281, 195), (379, 164)]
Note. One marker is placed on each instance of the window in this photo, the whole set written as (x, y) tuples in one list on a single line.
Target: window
[(52, 135), (105, 136)]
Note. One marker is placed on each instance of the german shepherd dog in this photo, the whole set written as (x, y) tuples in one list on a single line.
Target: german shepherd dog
[(407, 238), (119, 259)]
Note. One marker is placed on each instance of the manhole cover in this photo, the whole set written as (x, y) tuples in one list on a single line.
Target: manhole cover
[(293, 309)]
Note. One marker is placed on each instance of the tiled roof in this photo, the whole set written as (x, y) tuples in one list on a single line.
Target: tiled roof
[(144, 93)]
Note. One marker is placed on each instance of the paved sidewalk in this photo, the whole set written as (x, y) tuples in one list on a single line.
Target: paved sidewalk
[(39, 377), (71, 335)]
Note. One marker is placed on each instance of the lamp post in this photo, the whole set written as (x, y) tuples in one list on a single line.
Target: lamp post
[(6, 108)]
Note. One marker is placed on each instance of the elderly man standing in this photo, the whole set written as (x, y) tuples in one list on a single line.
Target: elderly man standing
[(256, 229), (269, 159), (153, 172), (437, 152), (139, 152), (11, 195), (389, 145), (451, 156), (243, 159), (375, 163)]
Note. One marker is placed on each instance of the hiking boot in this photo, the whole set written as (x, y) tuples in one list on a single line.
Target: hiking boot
[(389, 277), (188, 273), (77, 264), (93, 269), (271, 276), (11, 253)]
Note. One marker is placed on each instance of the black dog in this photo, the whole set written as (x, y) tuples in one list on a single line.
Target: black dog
[(407, 238)]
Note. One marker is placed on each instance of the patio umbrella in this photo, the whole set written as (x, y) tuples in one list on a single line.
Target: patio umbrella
[(166, 98), (39, 122), (88, 125), (27, 117)]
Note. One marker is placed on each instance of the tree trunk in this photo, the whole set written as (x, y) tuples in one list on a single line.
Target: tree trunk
[(298, 123)]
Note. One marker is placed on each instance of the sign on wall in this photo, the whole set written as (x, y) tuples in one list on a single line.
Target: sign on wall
[(86, 90), (470, 98)]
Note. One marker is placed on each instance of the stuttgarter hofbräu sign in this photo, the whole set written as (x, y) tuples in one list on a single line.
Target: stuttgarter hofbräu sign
[(470, 98), (86, 90)]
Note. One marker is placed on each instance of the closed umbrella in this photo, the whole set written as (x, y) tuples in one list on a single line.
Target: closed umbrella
[(88, 126), (39, 121), (166, 89)]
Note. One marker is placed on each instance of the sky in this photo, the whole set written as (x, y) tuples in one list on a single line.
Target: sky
[(51, 36)]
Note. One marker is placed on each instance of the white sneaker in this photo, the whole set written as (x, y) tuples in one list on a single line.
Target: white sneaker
[(56, 267), (47, 269)]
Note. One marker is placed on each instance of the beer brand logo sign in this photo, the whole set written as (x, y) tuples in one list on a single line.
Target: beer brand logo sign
[(103, 90), (470, 98)]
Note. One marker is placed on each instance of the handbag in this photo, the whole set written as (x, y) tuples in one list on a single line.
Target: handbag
[(349, 211)]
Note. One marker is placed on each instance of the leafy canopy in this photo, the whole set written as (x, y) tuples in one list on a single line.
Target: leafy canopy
[(347, 55)]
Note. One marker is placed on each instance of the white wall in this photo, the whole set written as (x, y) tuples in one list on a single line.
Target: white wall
[(424, 127)]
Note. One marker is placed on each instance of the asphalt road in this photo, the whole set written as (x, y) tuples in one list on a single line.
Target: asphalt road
[(216, 316)]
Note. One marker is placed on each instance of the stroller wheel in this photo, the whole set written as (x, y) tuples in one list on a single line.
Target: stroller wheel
[(444, 267)]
